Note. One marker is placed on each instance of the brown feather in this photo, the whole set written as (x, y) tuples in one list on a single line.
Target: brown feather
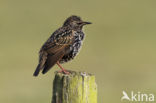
[(52, 59), (53, 50), (42, 60)]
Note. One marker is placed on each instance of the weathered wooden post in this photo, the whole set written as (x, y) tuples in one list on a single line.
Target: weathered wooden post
[(76, 87)]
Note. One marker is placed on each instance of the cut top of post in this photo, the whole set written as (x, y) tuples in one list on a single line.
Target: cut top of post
[(76, 87)]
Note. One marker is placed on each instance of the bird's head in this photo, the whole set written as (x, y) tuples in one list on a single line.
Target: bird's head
[(75, 22)]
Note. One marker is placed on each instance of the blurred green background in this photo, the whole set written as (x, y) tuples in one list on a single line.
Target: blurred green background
[(119, 48)]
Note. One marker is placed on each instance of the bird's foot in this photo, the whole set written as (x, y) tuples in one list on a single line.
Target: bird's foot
[(64, 71)]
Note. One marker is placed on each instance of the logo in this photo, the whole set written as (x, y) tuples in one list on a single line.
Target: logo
[(138, 96)]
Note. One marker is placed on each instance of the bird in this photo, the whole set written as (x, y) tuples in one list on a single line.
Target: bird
[(62, 46)]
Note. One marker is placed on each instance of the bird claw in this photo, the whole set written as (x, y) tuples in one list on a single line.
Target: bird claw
[(64, 71)]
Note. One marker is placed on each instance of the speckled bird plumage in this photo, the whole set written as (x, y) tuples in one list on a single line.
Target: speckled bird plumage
[(63, 45)]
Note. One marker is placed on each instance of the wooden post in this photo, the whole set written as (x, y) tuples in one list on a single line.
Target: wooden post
[(76, 87)]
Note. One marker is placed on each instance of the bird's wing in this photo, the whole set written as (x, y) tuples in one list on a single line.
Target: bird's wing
[(57, 48), (59, 40)]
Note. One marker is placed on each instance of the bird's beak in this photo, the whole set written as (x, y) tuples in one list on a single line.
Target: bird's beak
[(85, 23)]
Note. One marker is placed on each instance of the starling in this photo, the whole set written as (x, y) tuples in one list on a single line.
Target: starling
[(62, 46)]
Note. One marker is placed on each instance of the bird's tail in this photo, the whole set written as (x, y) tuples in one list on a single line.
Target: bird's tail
[(37, 70), (42, 60)]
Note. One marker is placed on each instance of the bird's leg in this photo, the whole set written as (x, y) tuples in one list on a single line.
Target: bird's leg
[(62, 69)]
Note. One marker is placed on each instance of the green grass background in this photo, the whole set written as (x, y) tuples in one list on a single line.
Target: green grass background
[(119, 48)]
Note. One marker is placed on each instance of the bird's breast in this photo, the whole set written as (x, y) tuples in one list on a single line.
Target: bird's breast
[(74, 48), (77, 42)]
